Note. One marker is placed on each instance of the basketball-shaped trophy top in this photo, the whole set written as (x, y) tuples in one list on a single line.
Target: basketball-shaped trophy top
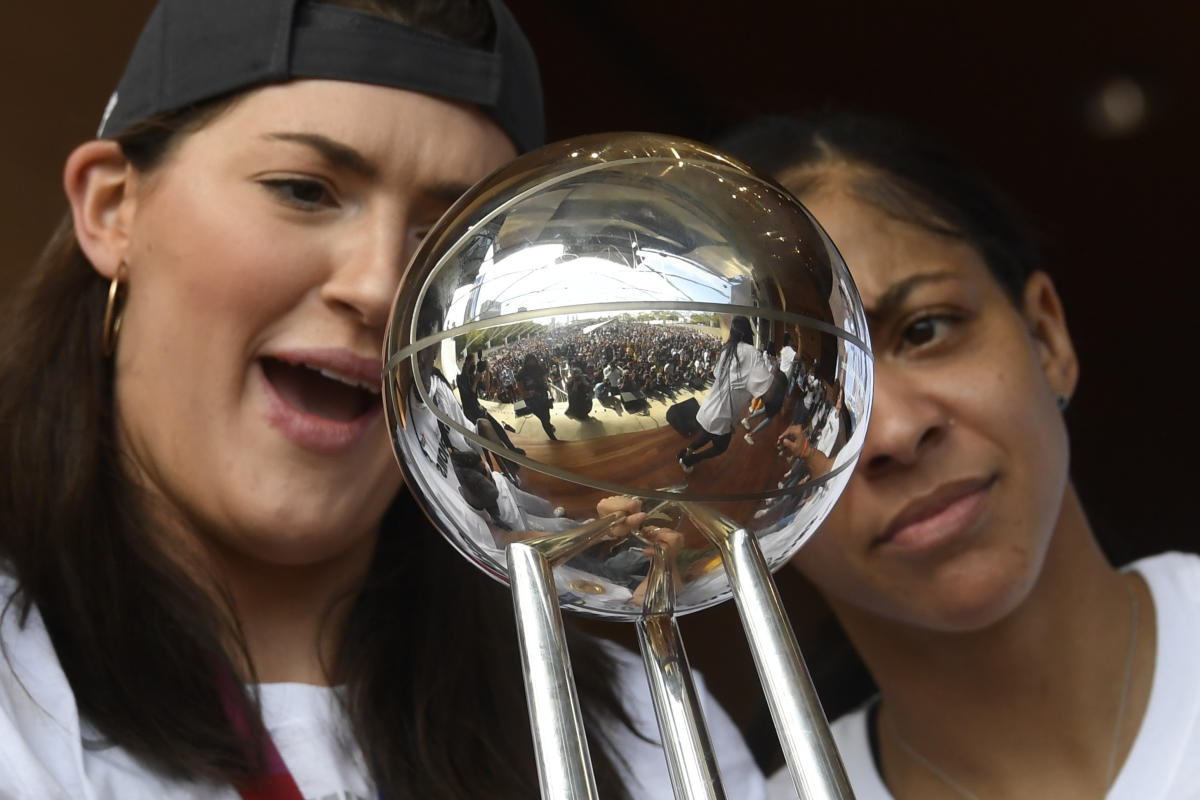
[(627, 321)]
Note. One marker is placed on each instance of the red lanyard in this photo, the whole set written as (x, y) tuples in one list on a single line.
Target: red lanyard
[(270, 787), (275, 782)]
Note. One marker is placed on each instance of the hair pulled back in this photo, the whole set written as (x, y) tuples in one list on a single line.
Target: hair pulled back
[(899, 170)]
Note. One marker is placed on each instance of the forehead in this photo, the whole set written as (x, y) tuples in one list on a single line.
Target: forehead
[(882, 252), (395, 129)]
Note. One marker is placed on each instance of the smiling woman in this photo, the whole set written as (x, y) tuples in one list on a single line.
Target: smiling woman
[(1011, 659), (213, 581)]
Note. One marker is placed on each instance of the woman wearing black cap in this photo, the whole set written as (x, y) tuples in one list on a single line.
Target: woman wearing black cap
[(216, 584)]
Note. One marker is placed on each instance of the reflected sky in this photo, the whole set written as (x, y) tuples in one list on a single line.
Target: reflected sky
[(547, 276)]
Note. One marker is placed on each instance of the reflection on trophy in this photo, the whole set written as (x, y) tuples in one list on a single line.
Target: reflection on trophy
[(637, 299)]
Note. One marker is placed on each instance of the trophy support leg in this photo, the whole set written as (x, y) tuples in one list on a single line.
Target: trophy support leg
[(807, 743), (681, 723), (563, 760)]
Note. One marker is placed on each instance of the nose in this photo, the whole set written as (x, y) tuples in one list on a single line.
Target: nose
[(907, 421), (363, 282)]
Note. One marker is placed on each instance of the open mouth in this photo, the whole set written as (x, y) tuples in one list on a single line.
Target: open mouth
[(321, 392)]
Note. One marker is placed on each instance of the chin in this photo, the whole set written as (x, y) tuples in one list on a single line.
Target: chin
[(295, 536), (968, 594), (974, 596), (297, 547), (308, 520), (973, 611)]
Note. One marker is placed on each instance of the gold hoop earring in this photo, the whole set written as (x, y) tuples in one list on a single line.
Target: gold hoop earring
[(113, 314)]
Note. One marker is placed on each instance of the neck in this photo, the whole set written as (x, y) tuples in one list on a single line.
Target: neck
[(292, 616), (1043, 685)]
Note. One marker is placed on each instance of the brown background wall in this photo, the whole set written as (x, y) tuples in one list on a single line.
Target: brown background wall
[(1013, 84)]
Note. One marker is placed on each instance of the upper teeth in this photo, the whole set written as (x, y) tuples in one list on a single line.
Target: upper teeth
[(373, 388)]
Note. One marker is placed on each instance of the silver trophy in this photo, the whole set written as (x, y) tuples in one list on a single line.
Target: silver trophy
[(588, 369)]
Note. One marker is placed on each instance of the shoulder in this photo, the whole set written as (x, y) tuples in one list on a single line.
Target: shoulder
[(1172, 576), (1174, 581), (41, 750), (29, 668), (1162, 761), (646, 767)]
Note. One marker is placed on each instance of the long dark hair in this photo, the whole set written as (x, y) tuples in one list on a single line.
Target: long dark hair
[(740, 332), (428, 655)]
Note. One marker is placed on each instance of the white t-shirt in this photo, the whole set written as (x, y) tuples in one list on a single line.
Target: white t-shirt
[(829, 431), (48, 753), (786, 356), (1164, 763), (748, 375)]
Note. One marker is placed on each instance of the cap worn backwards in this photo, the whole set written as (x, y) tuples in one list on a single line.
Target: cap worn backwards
[(193, 51)]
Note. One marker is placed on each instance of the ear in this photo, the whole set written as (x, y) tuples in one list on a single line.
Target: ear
[(1048, 326), (98, 181)]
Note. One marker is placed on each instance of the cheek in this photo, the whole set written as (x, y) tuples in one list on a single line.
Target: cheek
[(211, 246), (222, 267), (207, 280), (1009, 401), (999, 380)]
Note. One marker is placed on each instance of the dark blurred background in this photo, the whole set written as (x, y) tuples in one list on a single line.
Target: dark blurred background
[(1087, 112)]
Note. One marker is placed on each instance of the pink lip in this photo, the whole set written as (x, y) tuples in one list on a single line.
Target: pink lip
[(939, 517), (317, 433)]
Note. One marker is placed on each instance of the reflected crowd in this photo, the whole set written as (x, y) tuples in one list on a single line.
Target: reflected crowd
[(641, 360)]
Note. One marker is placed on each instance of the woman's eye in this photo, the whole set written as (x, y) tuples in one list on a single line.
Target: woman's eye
[(300, 192), (925, 330)]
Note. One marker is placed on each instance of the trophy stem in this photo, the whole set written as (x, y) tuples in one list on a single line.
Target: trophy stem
[(563, 760), (690, 760), (681, 723), (808, 747)]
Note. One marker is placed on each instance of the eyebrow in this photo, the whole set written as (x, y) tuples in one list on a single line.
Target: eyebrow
[(896, 295), (336, 153), (342, 155)]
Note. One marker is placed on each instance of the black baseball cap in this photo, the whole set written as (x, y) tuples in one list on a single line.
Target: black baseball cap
[(196, 50)]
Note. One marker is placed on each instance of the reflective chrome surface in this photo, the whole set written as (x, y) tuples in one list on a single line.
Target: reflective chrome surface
[(555, 719), (687, 745), (808, 748), (634, 250)]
